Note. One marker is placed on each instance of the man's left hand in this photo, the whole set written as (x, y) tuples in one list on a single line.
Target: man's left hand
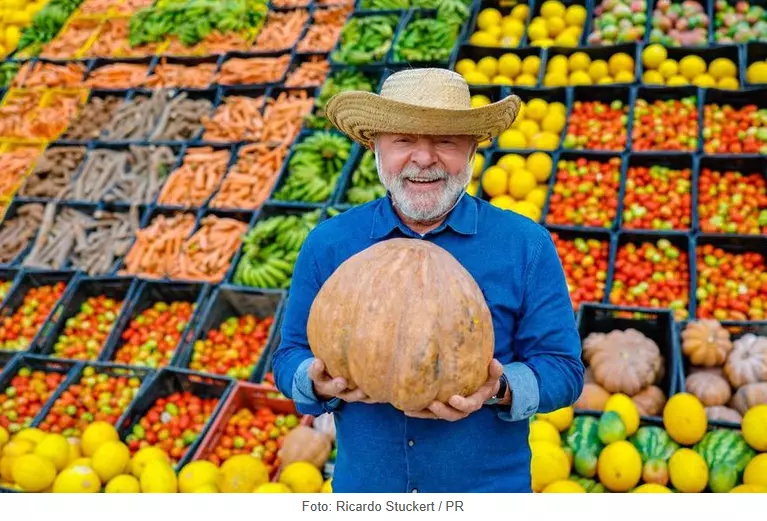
[(459, 407)]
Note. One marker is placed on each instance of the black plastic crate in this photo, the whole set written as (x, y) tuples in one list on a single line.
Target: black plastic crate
[(210, 95), (746, 165), (23, 76), (603, 53), (15, 303), (32, 363), (297, 62), (618, 98), (228, 303), (6, 358), (650, 95), (678, 240), (81, 375), (756, 96), (119, 289), (145, 297), (733, 244), (165, 383), (355, 162), (549, 95), (655, 324), (731, 52), (755, 52), (25, 192), (506, 8), (674, 162), (317, 120)]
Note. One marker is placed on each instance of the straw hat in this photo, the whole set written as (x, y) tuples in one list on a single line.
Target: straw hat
[(419, 101)]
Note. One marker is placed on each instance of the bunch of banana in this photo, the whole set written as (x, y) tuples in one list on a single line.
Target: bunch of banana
[(314, 168), (366, 186), (270, 250)]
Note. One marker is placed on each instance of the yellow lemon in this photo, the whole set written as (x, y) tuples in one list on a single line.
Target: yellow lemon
[(537, 196), (511, 162), (607, 80), (12, 36), (272, 488), (544, 431), (557, 106), (526, 80), (504, 202), (566, 39), (144, 456), (537, 31), (692, 66), (480, 100), (509, 42), (327, 487), (512, 27), (242, 473), (158, 478), (123, 484), (653, 78), (564, 486), (509, 65), (531, 65), (528, 209), (111, 459), (536, 109), (754, 427), (552, 8), (489, 17), (529, 128), (756, 471), (728, 84), (33, 473), (206, 489), (548, 464), (557, 63), (476, 78), (704, 81), (6, 468), (80, 462), (495, 31), (668, 68), (494, 181), (55, 448), (196, 474), (302, 477), (512, 139), (555, 26), (619, 466), (33, 435), (579, 78), (651, 488), (624, 77), (95, 435), (555, 79), (502, 80), (575, 15), (520, 12), (653, 55), (473, 188), (749, 489), (578, 61), (465, 66), (626, 409), (561, 418), (4, 437), (722, 68), (598, 69), (545, 141), (688, 471), (684, 418), (478, 165), (676, 81), (74, 450), (17, 447), (483, 39), (77, 479), (488, 66), (539, 164), (757, 72), (620, 62)]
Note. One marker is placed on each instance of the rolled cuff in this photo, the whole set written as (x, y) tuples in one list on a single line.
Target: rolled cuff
[(304, 397), (525, 395)]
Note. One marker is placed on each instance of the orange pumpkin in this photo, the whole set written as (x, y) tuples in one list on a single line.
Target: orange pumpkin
[(405, 322), (305, 444), (650, 401), (706, 343), (593, 397)]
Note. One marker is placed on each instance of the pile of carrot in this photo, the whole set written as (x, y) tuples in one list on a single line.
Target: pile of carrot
[(23, 117), (311, 73), (170, 75), (16, 106), (281, 31), (252, 178), (238, 118), (94, 7), (207, 255), (14, 166), (129, 7), (284, 116), (71, 40), (192, 183), (253, 71), (155, 252), (215, 43), (282, 4), (118, 76), (325, 30), (113, 42), (49, 75)]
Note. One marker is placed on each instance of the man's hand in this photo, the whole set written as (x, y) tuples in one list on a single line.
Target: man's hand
[(459, 407), (326, 387)]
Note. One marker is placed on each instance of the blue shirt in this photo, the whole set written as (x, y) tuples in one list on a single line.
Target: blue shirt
[(515, 263)]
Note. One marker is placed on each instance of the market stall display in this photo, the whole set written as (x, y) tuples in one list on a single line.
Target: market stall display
[(164, 161)]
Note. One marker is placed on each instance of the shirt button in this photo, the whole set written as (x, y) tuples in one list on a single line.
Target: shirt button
[(411, 443), (415, 490)]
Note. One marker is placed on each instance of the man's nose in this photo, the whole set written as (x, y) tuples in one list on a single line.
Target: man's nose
[(424, 155)]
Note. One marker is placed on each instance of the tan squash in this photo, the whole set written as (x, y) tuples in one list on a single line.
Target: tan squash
[(625, 361), (750, 395), (721, 413), (405, 322), (706, 343), (747, 363), (305, 444), (650, 401), (593, 397), (711, 389)]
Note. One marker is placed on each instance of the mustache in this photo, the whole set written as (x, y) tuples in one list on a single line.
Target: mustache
[(414, 173)]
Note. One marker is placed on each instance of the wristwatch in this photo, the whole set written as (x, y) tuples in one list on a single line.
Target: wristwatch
[(504, 385)]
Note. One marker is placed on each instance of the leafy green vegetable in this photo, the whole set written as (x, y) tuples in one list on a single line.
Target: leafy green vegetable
[(366, 39), (426, 40), (8, 71), (385, 4)]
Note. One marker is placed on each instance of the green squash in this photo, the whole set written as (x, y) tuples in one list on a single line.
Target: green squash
[(611, 428)]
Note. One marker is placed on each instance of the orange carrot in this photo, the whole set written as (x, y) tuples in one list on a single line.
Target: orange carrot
[(238, 118), (196, 179), (14, 165), (155, 252), (311, 73), (118, 76), (113, 42), (325, 30), (253, 71), (252, 178), (284, 116), (282, 30), (49, 75), (168, 75), (68, 42), (207, 255)]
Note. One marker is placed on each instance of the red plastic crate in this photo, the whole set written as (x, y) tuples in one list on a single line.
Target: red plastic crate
[(250, 396)]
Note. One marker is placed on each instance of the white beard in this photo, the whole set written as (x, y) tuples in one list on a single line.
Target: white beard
[(424, 207)]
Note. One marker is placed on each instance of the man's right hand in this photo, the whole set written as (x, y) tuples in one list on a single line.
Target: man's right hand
[(327, 388)]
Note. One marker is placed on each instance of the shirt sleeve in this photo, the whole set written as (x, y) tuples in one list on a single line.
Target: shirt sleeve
[(293, 355), (549, 372)]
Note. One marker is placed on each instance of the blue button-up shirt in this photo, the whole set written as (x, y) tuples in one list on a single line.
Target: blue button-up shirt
[(515, 263)]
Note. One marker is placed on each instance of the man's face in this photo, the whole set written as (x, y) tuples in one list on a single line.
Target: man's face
[(424, 174)]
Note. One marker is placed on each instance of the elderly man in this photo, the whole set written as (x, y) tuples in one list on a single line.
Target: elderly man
[(424, 134)]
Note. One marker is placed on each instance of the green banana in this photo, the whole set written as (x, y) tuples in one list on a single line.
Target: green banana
[(365, 183), (426, 40), (366, 39)]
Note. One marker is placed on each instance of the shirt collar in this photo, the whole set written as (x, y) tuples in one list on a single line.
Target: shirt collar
[(462, 219)]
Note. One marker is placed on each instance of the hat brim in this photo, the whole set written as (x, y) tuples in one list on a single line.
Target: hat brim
[(362, 115)]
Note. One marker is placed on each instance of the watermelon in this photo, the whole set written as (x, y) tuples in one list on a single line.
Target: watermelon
[(611, 428), (722, 478), (585, 462), (654, 443), (584, 434), (724, 448), (589, 485)]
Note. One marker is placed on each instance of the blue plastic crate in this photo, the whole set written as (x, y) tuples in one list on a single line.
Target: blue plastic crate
[(230, 302), (651, 94), (535, 11), (11, 277), (358, 154), (712, 11), (41, 171)]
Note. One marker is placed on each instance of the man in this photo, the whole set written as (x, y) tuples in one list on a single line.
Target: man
[(425, 133)]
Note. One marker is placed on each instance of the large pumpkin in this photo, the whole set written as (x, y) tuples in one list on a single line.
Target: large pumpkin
[(747, 362), (623, 361), (405, 322), (706, 343)]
